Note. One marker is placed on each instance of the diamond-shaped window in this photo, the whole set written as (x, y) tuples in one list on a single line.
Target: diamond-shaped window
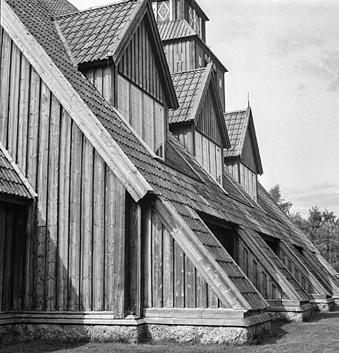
[(164, 11)]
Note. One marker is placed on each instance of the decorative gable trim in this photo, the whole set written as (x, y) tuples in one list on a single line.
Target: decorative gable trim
[(88, 123)]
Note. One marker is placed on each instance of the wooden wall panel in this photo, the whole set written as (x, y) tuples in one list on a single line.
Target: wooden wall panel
[(140, 65), (181, 56), (174, 281), (74, 258)]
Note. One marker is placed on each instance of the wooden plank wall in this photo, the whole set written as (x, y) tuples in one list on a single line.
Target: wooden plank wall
[(247, 156), (185, 135), (102, 78), (256, 272), (75, 259), (139, 63), (13, 222), (207, 120), (180, 56), (233, 169), (296, 270), (170, 279)]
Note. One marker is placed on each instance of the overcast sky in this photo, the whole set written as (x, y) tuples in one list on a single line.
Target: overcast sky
[(285, 53)]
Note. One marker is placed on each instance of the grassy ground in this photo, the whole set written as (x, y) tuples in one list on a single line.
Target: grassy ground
[(321, 335)]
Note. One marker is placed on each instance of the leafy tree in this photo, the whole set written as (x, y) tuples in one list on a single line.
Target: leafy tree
[(276, 195)]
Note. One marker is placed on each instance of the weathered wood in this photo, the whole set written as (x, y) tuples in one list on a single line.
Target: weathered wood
[(179, 272), (64, 210), (157, 255), (14, 102), (147, 255), (2, 249), (99, 234), (5, 86), (168, 271), (52, 204), (190, 295), (86, 227), (75, 220), (135, 256), (23, 114), (42, 184)]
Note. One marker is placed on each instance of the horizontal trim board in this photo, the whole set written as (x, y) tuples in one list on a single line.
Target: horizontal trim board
[(64, 318)]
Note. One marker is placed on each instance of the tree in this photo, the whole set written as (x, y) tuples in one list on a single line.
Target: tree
[(276, 195)]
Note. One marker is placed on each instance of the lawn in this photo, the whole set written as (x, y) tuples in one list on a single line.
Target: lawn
[(321, 335)]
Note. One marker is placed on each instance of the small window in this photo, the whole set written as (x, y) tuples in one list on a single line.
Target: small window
[(180, 57)]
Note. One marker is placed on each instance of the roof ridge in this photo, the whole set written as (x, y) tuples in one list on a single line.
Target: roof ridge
[(118, 2)]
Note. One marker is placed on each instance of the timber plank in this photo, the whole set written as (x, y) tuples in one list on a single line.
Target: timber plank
[(157, 261), (201, 295), (2, 248), (5, 85), (75, 220), (190, 294), (98, 79), (147, 258), (64, 209), (168, 278), (99, 234), (42, 186), (107, 84), (33, 129), (52, 205), (179, 277), (86, 227), (14, 102), (23, 114)]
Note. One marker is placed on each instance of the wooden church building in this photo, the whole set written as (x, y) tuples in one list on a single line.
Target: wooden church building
[(128, 208)]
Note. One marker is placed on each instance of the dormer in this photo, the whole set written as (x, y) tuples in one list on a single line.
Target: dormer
[(182, 30), (188, 10), (118, 48), (242, 160), (199, 122)]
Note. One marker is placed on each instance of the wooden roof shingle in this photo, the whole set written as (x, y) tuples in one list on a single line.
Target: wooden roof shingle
[(12, 182), (175, 29)]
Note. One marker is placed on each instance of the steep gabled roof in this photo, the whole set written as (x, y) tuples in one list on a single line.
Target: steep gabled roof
[(103, 33), (239, 124), (175, 29), (12, 181), (191, 88), (96, 33)]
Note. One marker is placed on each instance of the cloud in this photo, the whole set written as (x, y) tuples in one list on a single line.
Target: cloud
[(293, 42)]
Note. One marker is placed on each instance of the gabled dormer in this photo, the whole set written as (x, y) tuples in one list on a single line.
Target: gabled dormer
[(199, 122), (118, 48), (176, 10), (242, 159)]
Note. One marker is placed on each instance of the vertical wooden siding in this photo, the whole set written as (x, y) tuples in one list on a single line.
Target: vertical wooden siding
[(180, 56), (139, 63), (170, 279), (13, 221), (207, 120), (256, 272), (75, 260)]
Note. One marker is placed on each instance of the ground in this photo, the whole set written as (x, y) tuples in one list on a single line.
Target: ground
[(321, 334)]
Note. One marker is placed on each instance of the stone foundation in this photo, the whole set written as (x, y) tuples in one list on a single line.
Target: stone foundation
[(134, 334), (72, 333), (291, 315), (325, 306), (207, 335)]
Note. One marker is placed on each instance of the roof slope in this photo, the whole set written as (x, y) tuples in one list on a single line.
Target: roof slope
[(175, 29), (59, 8), (12, 182), (95, 34), (239, 123)]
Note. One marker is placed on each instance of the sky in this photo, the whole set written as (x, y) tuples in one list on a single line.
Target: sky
[(285, 54)]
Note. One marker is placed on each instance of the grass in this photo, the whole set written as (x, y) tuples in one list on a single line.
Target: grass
[(321, 334)]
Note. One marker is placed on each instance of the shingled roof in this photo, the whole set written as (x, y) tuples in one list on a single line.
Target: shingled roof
[(12, 182), (191, 197), (175, 29), (191, 87), (95, 34), (239, 123)]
